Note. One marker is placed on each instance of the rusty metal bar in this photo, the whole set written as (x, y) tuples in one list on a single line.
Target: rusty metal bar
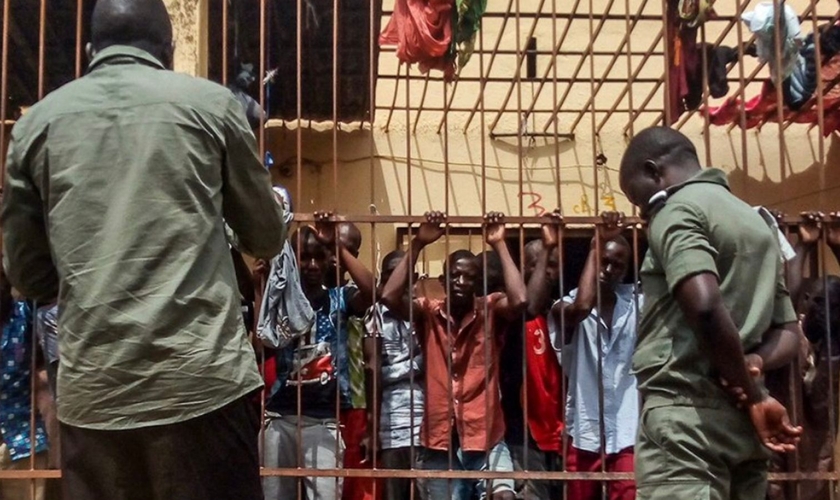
[(4, 79), (519, 60), (489, 68), (601, 81), (588, 53), (78, 53), (225, 43)]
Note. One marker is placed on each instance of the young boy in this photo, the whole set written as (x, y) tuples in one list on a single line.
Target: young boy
[(317, 366), (463, 427), (392, 350)]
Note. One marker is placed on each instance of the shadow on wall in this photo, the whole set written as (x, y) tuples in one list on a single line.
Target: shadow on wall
[(811, 187)]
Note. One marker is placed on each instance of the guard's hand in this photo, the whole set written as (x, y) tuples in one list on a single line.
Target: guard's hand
[(495, 228), (431, 230), (771, 422), (755, 367)]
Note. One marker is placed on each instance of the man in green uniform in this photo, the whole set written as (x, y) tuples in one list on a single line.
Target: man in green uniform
[(716, 315)]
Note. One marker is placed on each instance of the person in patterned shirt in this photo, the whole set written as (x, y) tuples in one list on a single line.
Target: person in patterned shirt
[(17, 446)]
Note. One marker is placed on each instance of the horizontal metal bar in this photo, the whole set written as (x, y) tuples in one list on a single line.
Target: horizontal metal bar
[(512, 52), (460, 219), (570, 137), (445, 474), (499, 79), (584, 16)]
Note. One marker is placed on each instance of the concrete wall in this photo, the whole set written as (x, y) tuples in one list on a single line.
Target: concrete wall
[(372, 170)]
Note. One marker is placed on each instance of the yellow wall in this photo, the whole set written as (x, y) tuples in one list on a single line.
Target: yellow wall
[(371, 168)]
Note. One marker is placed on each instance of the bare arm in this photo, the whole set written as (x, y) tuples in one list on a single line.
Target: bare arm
[(809, 235), (779, 347), (393, 295), (700, 300), (570, 315), (515, 299), (538, 286), (362, 299)]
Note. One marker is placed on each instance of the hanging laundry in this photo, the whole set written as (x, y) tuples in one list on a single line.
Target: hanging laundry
[(716, 60), (466, 28), (684, 61), (422, 33), (800, 86), (761, 22), (763, 108)]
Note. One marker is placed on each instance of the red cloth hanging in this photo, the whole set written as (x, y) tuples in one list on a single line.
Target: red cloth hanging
[(763, 107), (422, 32)]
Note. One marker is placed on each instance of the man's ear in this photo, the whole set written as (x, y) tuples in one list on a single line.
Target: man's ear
[(169, 56), (90, 52), (653, 171)]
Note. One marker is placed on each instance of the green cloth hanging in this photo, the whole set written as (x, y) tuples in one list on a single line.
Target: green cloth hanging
[(465, 25)]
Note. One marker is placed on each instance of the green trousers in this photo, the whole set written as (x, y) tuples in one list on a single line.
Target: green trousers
[(691, 453)]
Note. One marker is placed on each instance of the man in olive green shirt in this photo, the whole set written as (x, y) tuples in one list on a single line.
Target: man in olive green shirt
[(716, 313), (118, 189)]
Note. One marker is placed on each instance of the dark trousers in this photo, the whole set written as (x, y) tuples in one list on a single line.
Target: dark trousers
[(398, 488), (211, 456)]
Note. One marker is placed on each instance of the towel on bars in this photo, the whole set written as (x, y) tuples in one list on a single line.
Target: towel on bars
[(285, 312)]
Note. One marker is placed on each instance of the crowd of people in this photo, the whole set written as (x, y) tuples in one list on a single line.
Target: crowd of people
[(124, 249)]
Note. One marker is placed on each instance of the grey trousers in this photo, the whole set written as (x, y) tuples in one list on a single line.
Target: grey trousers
[(321, 447)]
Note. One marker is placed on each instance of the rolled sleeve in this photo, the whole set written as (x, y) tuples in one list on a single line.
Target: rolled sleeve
[(679, 239), (783, 311)]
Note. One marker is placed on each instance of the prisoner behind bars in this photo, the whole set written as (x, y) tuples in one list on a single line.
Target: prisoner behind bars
[(117, 191)]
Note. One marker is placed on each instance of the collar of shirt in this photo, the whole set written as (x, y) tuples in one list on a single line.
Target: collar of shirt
[(466, 321), (108, 54)]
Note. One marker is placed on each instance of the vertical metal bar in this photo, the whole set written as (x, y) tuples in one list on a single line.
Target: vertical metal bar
[(742, 113), (4, 76), (42, 29), (631, 76), (225, 43), (78, 54), (377, 372), (338, 271), (299, 158), (592, 104), (666, 76), (778, 15), (704, 59)]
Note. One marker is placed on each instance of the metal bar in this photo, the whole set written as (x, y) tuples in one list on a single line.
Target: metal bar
[(587, 53), (4, 76), (552, 64), (79, 12), (489, 68), (42, 30), (519, 60), (666, 77), (612, 62), (225, 43)]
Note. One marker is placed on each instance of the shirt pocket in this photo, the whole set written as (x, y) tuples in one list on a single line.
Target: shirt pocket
[(651, 355)]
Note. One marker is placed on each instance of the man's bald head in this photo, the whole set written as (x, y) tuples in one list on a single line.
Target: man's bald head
[(656, 159), (144, 24), (350, 237)]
